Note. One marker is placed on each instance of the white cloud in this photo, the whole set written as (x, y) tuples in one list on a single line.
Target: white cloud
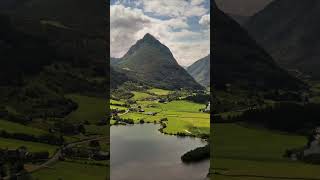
[(205, 20), (124, 23), (188, 53), (130, 24), (174, 8), (197, 2)]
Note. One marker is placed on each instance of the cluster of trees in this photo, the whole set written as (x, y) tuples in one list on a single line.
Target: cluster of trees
[(12, 161), (121, 93), (17, 118), (163, 124), (37, 100), (93, 153), (123, 105), (284, 116), (69, 128), (201, 98), (114, 112), (118, 119), (46, 138), (279, 95), (195, 155)]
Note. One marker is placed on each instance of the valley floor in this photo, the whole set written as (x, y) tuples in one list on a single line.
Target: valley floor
[(241, 153), (178, 117)]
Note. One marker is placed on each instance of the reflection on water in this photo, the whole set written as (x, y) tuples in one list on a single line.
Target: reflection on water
[(141, 152)]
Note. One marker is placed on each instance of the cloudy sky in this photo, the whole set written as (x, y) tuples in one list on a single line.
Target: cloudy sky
[(182, 25)]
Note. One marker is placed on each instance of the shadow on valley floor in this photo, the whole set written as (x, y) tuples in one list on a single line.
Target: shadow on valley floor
[(259, 176)]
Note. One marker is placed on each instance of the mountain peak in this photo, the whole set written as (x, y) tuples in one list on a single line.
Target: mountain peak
[(152, 62), (148, 35), (149, 38)]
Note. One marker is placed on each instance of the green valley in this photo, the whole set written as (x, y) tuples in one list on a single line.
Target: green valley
[(242, 153), (265, 122), (177, 116)]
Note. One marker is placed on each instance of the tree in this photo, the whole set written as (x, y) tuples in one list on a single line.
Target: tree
[(82, 129), (94, 143)]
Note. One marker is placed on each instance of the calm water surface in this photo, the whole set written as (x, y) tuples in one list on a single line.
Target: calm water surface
[(141, 152)]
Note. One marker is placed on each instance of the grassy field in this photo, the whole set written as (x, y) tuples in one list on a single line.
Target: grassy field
[(112, 101), (31, 146), (94, 129), (19, 128), (118, 107), (249, 154), (160, 92), (12, 127), (140, 95), (68, 170), (91, 109)]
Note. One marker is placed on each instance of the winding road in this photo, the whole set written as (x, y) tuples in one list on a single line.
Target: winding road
[(57, 155)]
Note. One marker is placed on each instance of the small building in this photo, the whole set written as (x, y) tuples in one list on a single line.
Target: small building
[(162, 100), (151, 113), (207, 109)]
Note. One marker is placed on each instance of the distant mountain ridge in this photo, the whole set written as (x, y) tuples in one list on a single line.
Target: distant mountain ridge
[(151, 62), (239, 61), (240, 19), (200, 71), (289, 31)]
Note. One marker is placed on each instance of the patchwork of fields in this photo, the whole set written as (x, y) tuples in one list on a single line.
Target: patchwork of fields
[(182, 116), (91, 110)]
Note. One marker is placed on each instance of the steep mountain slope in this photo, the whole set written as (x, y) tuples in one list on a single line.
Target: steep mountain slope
[(239, 61), (200, 71), (240, 19), (153, 63), (114, 61), (43, 57), (243, 7), (81, 15), (116, 78), (289, 31)]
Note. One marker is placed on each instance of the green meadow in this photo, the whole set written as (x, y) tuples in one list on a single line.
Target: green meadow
[(241, 153), (91, 109), (140, 95), (161, 92), (72, 170), (12, 127), (31, 146), (118, 107)]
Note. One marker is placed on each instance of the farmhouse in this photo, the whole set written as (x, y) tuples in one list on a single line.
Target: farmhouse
[(207, 108), (162, 100), (151, 113)]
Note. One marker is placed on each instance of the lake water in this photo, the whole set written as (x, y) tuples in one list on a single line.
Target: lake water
[(141, 152)]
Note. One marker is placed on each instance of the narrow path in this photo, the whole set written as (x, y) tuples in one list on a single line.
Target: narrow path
[(58, 154), (127, 111)]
